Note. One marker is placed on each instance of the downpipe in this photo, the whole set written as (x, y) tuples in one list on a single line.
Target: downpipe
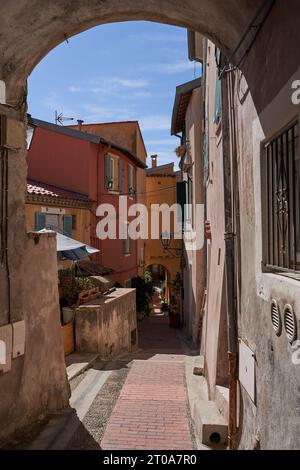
[(229, 155)]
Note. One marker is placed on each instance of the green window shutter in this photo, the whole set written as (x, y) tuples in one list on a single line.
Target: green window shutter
[(68, 225), (40, 221), (134, 179), (120, 178), (128, 177), (107, 175), (218, 94), (218, 102), (181, 197)]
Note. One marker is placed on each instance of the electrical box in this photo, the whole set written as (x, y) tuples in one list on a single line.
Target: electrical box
[(12, 136), (247, 369), (18, 348), (5, 348)]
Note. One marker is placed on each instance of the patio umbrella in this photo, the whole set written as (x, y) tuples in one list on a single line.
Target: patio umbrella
[(68, 248)]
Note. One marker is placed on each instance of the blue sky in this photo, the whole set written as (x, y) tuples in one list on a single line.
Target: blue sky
[(116, 72)]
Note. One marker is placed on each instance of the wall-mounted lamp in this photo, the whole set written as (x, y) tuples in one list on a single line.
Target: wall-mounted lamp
[(166, 239)]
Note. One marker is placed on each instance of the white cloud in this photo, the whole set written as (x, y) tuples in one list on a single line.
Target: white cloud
[(54, 102), (161, 142), (169, 68), (163, 38), (130, 83), (93, 113), (154, 123), (109, 85)]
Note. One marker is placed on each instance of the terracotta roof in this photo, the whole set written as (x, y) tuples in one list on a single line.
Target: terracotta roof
[(182, 99), (84, 136), (93, 268), (45, 190)]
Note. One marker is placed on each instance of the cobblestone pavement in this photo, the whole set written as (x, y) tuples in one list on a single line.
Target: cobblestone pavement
[(142, 404), (152, 411)]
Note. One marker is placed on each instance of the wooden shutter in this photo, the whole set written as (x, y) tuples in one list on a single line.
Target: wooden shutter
[(68, 224), (107, 175), (181, 197), (134, 178), (40, 221), (120, 178)]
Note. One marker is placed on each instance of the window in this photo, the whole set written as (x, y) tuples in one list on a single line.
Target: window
[(281, 185), (131, 180), (113, 173), (126, 242), (56, 222)]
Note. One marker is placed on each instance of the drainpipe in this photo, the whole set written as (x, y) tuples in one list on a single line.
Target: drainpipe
[(229, 155)]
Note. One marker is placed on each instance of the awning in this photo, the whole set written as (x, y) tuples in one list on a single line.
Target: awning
[(68, 248)]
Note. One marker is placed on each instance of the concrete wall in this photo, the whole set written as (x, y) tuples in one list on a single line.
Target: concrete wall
[(214, 339), (194, 272), (37, 382), (275, 418), (161, 189), (106, 325)]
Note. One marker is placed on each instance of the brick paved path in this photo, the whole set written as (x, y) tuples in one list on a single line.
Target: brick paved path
[(151, 412)]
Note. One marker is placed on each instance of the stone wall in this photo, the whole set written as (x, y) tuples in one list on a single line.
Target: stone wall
[(37, 382), (107, 325)]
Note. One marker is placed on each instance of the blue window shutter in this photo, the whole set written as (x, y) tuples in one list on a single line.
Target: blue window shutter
[(120, 182), (40, 221), (107, 175), (218, 101), (68, 223)]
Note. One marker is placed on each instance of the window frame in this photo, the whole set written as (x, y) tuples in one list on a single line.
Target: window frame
[(278, 166)]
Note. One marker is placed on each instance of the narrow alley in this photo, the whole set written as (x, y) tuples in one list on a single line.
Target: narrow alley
[(138, 401)]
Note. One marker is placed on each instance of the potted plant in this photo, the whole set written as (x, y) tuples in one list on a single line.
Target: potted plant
[(144, 292), (180, 151), (174, 315)]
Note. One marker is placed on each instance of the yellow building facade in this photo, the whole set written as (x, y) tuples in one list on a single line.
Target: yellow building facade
[(161, 188), (59, 210)]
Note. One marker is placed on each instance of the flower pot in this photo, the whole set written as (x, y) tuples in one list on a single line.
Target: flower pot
[(181, 151)]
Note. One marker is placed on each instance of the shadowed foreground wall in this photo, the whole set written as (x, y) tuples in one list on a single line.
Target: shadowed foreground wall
[(37, 383)]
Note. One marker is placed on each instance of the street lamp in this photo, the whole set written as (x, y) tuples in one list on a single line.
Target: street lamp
[(166, 238)]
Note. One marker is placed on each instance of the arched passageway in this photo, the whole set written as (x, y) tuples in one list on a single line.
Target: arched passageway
[(30, 29)]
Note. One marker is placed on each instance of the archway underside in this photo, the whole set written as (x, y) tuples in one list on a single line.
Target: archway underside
[(32, 28)]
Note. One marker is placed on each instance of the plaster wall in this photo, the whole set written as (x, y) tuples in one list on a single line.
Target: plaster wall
[(105, 325), (194, 272)]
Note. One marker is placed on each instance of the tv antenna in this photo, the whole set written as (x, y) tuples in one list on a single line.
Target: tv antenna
[(60, 118)]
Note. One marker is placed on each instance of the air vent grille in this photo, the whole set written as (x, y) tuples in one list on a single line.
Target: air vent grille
[(276, 318), (290, 323)]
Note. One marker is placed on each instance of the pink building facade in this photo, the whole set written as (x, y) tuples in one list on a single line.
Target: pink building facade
[(97, 168)]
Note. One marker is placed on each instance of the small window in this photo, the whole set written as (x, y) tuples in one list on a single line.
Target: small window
[(112, 170), (126, 242), (281, 192), (131, 180)]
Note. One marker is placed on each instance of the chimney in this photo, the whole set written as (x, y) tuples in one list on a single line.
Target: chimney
[(80, 122), (154, 161)]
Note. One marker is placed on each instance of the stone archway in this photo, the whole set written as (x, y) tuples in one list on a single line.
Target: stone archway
[(32, 28)]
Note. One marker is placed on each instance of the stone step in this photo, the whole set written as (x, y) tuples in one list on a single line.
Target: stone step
[(210, 426), (222, 401)]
